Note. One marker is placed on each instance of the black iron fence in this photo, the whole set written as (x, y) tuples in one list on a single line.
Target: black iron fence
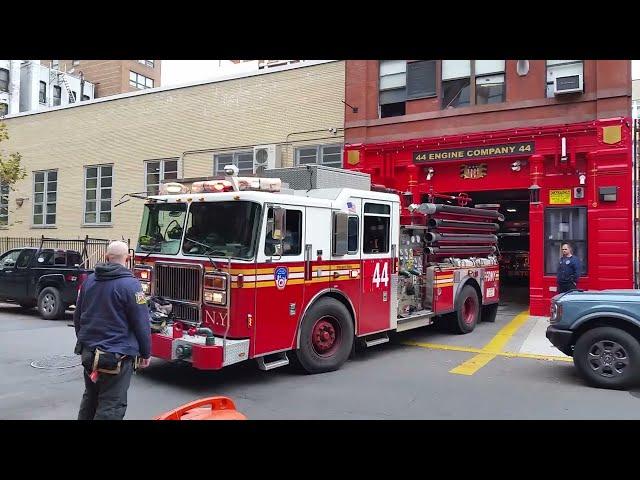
[(92, 250)]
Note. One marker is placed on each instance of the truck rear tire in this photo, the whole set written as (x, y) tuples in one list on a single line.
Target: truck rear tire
[(50, 304), (467, 314), (326, 337), (489, 313), (608, 357)]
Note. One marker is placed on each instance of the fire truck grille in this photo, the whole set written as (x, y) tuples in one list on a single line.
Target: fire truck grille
[(179, 282), (186, 312)]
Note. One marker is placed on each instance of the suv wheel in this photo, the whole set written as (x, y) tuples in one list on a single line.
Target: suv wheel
[(50, 304), (608, 357)]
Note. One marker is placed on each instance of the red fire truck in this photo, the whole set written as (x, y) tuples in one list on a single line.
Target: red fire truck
[(255, 270)]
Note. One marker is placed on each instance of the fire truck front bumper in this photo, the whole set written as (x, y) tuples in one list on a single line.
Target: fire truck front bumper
[(195, 349)]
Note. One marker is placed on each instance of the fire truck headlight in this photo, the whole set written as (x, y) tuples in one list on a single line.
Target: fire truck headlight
[(219, 298), (146, 287), (215, 282)]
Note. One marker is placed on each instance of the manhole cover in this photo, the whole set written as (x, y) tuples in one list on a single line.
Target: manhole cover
[(55, 362)]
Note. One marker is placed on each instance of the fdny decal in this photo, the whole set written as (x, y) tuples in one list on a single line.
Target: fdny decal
[(140, 300), (489, 275), (216, 318), (281, 275)]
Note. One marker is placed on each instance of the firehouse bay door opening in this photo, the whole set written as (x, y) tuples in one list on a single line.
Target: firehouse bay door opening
[(513, 241)]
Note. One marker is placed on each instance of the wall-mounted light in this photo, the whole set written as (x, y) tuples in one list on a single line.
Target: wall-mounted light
[(563, 149), (515, 166), (512, 210), (582, 178), (430, 173), (20, 200), (534, 193)]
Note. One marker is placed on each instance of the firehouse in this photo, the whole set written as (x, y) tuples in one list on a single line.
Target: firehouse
[(309, 260), (555, 184)]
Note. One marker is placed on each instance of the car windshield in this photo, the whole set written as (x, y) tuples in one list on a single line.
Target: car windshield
[(162, 227), (222, 229)]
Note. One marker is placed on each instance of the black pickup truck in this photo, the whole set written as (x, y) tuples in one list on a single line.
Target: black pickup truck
[(48, 278)]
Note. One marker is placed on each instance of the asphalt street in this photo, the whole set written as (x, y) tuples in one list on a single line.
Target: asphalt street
[(504, 370)]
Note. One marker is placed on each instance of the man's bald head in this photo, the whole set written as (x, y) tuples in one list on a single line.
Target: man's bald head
[(117, 252)]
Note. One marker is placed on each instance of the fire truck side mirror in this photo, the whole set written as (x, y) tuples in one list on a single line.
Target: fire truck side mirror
[(279, 219), (340, 233)]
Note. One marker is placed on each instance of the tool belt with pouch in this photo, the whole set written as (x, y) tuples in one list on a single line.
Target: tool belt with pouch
[(102, 362)]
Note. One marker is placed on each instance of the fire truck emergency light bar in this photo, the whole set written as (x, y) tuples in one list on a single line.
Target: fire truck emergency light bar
[(232, 183)]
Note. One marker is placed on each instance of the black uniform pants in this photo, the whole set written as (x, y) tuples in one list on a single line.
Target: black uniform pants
[(107, 398), (566, 286)]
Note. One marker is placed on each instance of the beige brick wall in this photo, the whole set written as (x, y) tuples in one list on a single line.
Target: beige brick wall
[(263, 109)]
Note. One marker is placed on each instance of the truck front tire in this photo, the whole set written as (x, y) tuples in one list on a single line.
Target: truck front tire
[(326, 337), (608, 357), (50, 304)]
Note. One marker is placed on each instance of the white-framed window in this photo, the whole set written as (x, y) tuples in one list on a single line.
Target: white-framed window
[(148, 63), (4, 204), (140, 81), (43, 92), (155, 171), (98, 192), (45, 196), (458, 75), (57, 95), (392, 87), (555, 67), (241, 159), (328, 155), (4, 80)]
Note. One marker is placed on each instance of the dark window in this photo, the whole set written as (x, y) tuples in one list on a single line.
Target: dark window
[(72, 97), (4, 205), (139, 81), (4, 80), (352, 235), (57, 95), (421, 79), (392, 87), (157, 171), (392, 110), (377, 208), (292, 241), (25, 258), (85, 97), (43, 92), (98, 191), (4, 109), (455, 93), (564, 225), (461, 77), (376, 228), (376, 234)]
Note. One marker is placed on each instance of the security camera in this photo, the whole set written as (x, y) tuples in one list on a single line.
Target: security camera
[(515, 166), (333, 130), (430, 172), (231, 170)]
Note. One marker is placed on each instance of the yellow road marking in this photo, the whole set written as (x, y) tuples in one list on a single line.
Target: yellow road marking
[(439, 346), (492, 348)]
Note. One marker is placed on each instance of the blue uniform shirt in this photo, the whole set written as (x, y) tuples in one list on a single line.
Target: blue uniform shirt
[(569, 269), (112, 313)]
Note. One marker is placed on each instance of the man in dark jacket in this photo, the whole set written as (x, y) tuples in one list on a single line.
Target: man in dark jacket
[(568, 269), (113, 329)]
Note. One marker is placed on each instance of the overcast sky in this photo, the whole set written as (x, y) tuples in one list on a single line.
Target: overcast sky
[(176, 72)]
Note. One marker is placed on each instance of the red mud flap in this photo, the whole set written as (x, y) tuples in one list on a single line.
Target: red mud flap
[(202, 357), (211, 408)]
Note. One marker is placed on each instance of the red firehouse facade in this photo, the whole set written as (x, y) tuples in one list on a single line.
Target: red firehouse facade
[(548, 140)]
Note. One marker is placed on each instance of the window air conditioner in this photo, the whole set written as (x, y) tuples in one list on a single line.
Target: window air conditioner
[(568, 84), (265, 157)]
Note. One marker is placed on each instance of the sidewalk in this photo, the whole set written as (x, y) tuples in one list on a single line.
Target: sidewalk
[(536, 341)]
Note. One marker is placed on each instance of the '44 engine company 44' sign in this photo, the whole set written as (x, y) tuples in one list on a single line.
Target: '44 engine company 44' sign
[(469, 153)]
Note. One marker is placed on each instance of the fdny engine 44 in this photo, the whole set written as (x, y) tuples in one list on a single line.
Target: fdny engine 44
[(257, 271)]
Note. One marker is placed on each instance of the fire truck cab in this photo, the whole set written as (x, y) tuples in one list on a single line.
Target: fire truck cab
[(253, 270)]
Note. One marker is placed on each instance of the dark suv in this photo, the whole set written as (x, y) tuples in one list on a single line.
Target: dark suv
[(601, 331)]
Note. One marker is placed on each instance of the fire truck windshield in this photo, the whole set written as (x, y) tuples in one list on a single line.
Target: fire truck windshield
[(162, 227), (222, 229)]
